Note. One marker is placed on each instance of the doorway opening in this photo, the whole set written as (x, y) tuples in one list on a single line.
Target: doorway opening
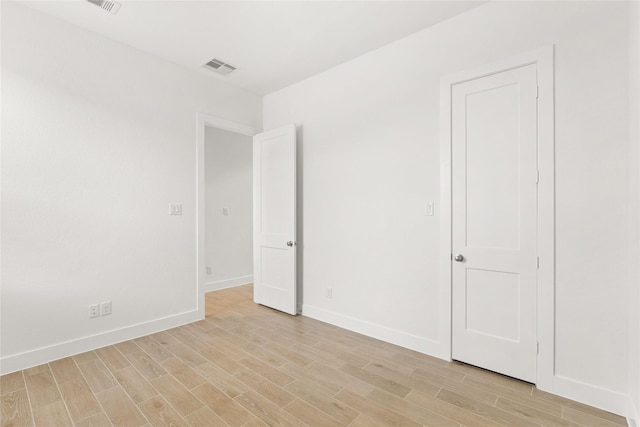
[(224, 205), (228, 209), (273, 210)]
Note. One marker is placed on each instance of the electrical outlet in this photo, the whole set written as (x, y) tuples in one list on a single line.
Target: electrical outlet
[(105, 308), (329, 293), (209, 270), (94, 311), (225, 211)]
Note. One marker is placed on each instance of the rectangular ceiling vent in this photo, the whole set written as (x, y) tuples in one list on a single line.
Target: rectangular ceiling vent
[(110, 6), (220, 67)]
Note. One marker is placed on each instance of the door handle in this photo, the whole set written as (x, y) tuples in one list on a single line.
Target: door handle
[(289, 243), (459, 258)]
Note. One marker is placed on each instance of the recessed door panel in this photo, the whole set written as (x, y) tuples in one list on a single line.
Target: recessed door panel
[(493, 162), (274, 174), (492, 304)]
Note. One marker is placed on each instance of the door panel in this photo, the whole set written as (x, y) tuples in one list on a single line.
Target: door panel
[(274, 201), (275, 160), (494, 202), (492, 162), (492, 297)]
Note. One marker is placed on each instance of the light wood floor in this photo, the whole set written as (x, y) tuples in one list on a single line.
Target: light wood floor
[(247, 365)]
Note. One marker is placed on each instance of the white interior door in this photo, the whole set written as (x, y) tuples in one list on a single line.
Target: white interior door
[(274, 219), (494, 217)]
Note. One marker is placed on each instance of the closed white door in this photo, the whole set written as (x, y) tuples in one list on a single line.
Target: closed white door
[(274, 219), (494, 217)]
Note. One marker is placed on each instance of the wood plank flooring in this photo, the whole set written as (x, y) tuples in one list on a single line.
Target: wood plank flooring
[(247, 365)]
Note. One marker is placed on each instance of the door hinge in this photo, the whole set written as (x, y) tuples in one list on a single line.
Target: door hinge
[(537, 347), (451, 257), (537, 177), (537, 91), (538, 262)]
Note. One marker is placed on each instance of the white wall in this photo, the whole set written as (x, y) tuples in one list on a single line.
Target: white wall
[(228, 184), (97, 140), (370, 159)]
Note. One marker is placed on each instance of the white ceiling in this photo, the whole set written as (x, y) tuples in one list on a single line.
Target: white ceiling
[(272, 43)]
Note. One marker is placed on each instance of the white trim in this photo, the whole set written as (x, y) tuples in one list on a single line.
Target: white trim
[(446, 251), (546, 219), (227, 283), (202, 121), (393, 336), (589, 394), (28, 359), (543, 57), (633, 419), (634, 134), (224, 124)]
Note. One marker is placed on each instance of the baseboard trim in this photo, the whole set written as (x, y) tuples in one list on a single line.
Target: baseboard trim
[(28, 359), (383, 333), (608, 400), (589, 394), (227, 283), (634, 419)]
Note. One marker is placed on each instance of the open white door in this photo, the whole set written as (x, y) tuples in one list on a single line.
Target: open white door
[(494, 205), (274, 219)]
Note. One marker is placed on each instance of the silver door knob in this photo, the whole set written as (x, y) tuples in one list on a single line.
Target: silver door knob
[(459, 258), (289, 243)]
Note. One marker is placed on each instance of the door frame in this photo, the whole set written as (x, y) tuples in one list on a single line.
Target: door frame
[(202, 121), (545, 311)]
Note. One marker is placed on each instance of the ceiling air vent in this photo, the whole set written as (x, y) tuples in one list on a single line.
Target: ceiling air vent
[(220, 67), (108, 5)]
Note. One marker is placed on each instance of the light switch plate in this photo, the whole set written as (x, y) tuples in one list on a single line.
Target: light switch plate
[(175, 209), (428, 208)]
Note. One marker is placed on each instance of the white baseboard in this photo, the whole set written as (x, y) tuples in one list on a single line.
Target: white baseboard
[(589, 394), (227, 283), (393, 336), (17, 362), (608, 400), (634, 419)]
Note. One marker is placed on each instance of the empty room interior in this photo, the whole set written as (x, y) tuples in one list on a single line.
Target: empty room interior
[(322, 213)]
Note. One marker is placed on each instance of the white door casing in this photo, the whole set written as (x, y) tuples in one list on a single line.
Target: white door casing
[(494, 221), (543, 58), (274, 219)]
